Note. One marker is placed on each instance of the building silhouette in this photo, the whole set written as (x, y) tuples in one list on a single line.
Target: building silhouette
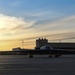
[(41, 42), (56, 45)]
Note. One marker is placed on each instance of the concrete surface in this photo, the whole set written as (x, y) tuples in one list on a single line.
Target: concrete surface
[(39, 65)]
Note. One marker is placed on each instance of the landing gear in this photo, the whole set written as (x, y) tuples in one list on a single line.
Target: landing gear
[(30, 55), (56, 55), (50, 56)]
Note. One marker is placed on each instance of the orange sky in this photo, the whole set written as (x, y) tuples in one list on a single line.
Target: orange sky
[(29, 20), (14, 30)]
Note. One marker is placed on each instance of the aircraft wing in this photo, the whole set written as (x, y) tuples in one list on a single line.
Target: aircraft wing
[(53, 51), (38, 52)]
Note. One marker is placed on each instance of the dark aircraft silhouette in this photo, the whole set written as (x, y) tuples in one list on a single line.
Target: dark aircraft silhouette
[(44, 50)]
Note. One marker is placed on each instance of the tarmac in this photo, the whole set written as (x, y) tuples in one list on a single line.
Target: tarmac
[(39, 65)]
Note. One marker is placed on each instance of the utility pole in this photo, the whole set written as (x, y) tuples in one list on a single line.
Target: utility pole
[(22, 43), (60, 41)]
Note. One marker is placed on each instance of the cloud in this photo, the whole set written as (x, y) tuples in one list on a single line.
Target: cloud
[(66, 23), (10, 22), (39, 14), (12, 25), (61, 28), (15, 29), (43, 15)]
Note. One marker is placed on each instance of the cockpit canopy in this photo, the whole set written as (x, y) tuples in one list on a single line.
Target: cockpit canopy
[(47, 47)]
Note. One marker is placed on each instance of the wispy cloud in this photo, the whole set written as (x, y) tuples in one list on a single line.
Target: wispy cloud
[(15, 3), (39, 14), (12, 25), (61, 28), (43, 15), (14, 28), (66, 23)]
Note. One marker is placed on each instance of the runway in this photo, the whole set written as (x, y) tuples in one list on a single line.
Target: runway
[(39, 65)]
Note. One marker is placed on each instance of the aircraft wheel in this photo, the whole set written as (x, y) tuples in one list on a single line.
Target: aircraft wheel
[(50, 56), (56, 55), (30, 55)]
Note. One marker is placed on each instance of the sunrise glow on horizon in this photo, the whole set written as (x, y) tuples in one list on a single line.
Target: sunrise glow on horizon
[(29, 20)]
